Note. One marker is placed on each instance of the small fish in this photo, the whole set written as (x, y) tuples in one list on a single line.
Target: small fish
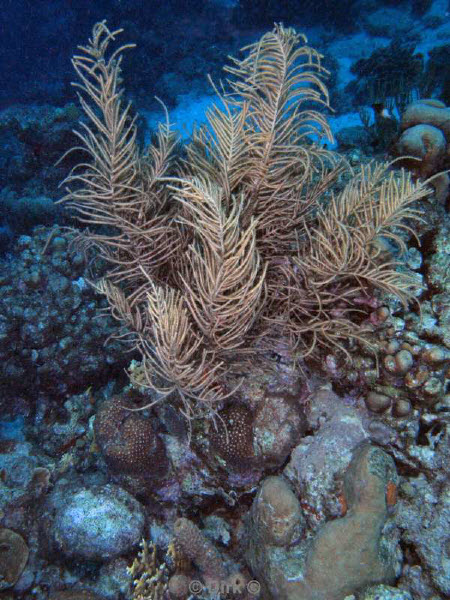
[(381, 111)]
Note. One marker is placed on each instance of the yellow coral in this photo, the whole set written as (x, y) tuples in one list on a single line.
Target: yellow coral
[(149, 579)]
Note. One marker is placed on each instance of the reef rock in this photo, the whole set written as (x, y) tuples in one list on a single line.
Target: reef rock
[(97, 523)]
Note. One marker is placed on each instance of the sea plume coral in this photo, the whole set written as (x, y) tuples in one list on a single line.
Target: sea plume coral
[(215, 257)]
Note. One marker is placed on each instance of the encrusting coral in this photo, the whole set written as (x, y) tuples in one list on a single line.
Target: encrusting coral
[(244, 243)]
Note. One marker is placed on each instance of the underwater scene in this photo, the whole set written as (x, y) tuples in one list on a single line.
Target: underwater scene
[(225, 300)]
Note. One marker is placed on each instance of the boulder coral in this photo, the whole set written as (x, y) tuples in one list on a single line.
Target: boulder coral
[(346, 554), (425, 135), (13, 557), (277, 513)]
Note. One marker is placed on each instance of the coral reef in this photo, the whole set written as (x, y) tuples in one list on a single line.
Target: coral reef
[(286, 431), (49, 333), (276, 514), (385, 592), (423, 518), (35, 137), (75, 595), (410, 376), (314, 467), (419, 443), (257, 430)]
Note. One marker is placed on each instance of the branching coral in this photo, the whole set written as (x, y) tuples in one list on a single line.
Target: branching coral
[(148, 577), (213, 258)]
